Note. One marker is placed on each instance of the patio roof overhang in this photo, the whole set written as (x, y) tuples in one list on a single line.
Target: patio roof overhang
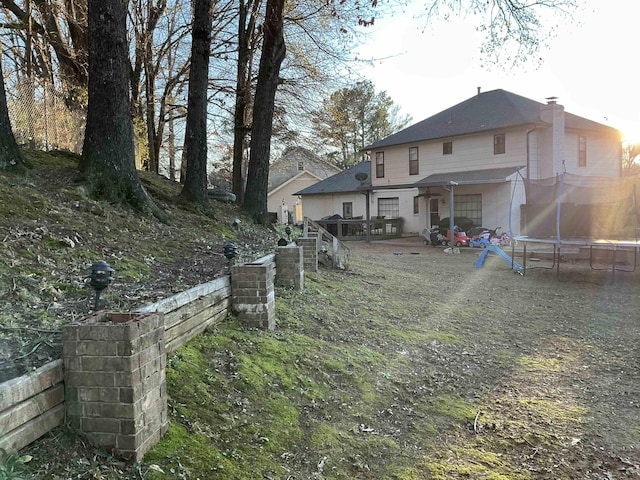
[(470, 177)]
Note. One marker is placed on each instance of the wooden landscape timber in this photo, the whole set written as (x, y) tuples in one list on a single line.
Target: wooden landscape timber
[(31, 405)]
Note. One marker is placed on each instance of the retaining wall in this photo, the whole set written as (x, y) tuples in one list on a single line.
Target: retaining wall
[(253, 293), (31, 405), (115, 381), (113, 414)]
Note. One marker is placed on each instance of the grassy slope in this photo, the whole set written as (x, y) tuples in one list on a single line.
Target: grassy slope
[(316, 399), (381, 373)]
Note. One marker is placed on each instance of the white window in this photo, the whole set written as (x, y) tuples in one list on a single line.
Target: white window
[(379, 164), (582, 151), (389, 207), (347, 209), (413, 161), (499, 144), (300, 166), (469, 206)]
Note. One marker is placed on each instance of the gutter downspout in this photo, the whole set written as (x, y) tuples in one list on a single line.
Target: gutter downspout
[(529, 152), (368, 213)]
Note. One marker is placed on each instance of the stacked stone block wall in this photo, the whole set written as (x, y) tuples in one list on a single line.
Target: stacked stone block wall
[(309, 252), (290, 267), (115, 387), (253, 293)]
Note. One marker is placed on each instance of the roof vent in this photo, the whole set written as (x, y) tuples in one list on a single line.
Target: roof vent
[(479, 90), (551, 100)]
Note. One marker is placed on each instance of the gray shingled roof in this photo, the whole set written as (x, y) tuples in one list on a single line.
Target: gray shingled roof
[(491, 110), (344, 181), (472, 177)]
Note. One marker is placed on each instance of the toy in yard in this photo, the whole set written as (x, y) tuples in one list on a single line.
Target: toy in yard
[(515, 266), (490, 237), (460, 238), (432, 236)]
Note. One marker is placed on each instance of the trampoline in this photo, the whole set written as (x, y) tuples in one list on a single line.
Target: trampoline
[(594, 213)]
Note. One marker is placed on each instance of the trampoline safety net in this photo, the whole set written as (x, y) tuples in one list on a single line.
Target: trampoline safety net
[(573, 206)]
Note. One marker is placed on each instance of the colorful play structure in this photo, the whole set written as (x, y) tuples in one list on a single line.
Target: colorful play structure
[(501, 253)]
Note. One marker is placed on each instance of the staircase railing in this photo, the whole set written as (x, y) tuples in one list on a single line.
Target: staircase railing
[(337, 252)]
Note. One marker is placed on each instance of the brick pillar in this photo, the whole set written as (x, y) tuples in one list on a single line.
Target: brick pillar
[(253, 294), (290, 267), (115, 387), (309, 252)]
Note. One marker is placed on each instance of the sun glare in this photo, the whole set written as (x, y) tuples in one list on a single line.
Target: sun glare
[(631, 135)]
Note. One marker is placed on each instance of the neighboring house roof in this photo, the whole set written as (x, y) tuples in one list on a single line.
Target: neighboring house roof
[(293, 179), (286, 167), (486, 111), (345, 181), (473, 177)]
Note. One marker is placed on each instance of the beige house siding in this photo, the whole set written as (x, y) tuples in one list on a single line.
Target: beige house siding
[(285, 193), (470, 152), (412, 222), (319, 206), (546, 149), (603, 155), (496, 200)]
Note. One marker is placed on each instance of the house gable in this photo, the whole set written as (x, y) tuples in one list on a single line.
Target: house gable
[(295, 161), (302, 177)]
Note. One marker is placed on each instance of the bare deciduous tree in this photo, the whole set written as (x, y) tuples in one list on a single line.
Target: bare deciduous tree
[(273, 53), (195, 185), (108, 153)]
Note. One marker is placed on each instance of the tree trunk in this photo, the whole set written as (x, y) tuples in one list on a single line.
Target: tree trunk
[(150, 101), (195, 184), (10, 154), (243, 93), (108, 154), (273, 53), (172, 148)]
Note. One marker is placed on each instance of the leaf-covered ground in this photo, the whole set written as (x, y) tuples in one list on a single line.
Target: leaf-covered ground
[(51, 232)]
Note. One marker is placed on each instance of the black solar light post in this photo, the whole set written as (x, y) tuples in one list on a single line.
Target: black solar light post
[(100, 279), (230, 252), (287, 230)]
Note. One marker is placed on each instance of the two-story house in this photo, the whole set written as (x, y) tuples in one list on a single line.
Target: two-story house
[(482, 149), (296, 169)]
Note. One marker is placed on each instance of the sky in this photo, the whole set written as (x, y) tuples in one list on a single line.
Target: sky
[(592, 64)]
